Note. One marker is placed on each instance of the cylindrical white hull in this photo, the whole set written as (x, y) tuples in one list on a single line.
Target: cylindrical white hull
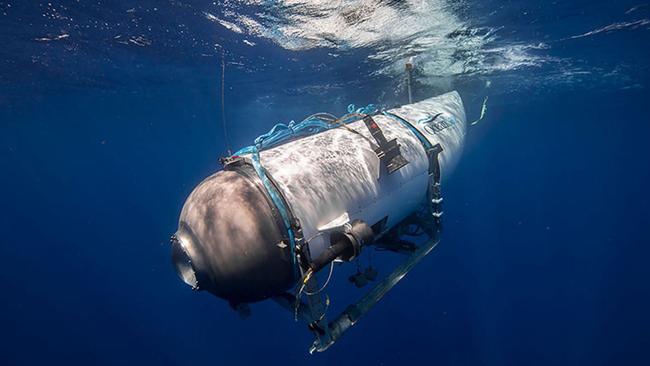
[(336, 174)]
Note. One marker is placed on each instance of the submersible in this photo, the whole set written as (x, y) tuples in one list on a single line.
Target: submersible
[(310, 193)]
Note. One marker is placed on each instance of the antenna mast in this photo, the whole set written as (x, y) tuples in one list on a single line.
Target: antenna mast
[(223, 101), (409, 69)]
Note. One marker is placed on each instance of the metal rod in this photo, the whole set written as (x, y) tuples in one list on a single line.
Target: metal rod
[(352, 314)]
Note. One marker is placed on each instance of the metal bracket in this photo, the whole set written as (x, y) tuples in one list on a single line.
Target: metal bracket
[(388, 152), (227, 160), (434, 194)]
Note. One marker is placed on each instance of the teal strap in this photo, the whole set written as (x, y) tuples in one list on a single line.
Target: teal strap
[(282, 133), (278, 202)]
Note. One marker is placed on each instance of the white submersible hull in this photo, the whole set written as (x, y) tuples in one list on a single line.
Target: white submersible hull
[(254, 229)]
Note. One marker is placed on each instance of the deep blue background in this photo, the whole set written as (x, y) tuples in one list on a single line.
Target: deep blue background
[(544, 257)]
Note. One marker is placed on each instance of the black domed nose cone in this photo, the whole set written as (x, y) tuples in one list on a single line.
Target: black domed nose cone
[(231, 240)]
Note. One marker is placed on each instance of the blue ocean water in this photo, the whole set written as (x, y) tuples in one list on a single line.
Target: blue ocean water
[(110, 114)]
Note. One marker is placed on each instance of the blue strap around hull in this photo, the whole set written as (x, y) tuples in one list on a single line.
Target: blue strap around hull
[(277, 201)]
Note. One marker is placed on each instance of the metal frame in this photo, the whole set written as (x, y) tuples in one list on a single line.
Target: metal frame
[(314, 311)]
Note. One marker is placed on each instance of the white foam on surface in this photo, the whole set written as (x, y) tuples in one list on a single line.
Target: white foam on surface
[(444, 44)]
